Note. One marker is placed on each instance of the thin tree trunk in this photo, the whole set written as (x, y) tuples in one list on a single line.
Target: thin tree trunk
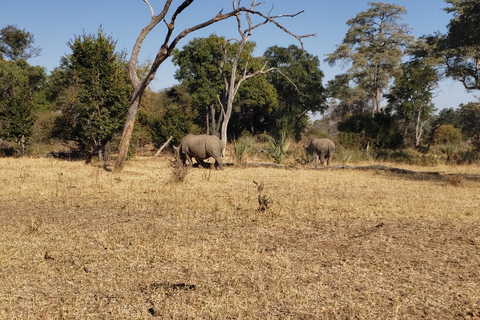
[(162, 147), (127, 133)]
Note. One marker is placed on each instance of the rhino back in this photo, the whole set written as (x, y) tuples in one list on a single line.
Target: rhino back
[(201, 146), (322, 145)]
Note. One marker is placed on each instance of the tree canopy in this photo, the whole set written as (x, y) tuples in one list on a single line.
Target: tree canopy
[(298, 84), (373, 46), (96, 93), (17, 44)]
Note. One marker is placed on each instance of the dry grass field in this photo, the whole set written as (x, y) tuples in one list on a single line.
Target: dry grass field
[(80, 242)]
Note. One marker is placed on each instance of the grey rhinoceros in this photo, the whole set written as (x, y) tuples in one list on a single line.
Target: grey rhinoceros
[(200, 147), (323, 148)]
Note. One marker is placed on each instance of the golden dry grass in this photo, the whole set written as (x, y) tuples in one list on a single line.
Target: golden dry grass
[(79, 242)]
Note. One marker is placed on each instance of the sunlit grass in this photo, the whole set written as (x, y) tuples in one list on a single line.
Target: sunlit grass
[(78, 241)]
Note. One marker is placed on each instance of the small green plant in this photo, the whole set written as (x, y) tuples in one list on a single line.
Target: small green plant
[(242, 146), (278, 147)]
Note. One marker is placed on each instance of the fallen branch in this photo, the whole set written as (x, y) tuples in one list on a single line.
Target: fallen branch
[(162, 147)]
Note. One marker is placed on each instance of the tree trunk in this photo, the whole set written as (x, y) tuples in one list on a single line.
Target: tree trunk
[(127, 133)]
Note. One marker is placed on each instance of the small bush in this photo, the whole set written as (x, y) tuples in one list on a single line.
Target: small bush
[(352, 140), (468, 157), (349, 156), (450, 150), (455, 179), (179, 173)]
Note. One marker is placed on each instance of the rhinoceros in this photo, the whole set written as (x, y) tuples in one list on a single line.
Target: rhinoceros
[(323, 148), (199, 147)]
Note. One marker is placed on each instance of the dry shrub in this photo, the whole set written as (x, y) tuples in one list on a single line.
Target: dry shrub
[(179, 173), (455, 179)]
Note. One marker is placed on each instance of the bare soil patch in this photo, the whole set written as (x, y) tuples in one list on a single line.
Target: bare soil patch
[(80, 242)]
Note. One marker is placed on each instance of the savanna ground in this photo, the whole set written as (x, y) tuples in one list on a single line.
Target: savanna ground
[(80, 242)]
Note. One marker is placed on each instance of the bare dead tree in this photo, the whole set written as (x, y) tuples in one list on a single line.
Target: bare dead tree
[(232, 85), (165, 51)]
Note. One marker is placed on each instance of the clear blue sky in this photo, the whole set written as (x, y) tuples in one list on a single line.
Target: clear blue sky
[(55, 22)]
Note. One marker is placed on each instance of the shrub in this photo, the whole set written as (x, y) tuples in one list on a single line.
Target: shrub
[(352, 140), (408, 156), (447, 133)]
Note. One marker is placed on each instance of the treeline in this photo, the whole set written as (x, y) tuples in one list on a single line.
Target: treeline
[(81, 105)]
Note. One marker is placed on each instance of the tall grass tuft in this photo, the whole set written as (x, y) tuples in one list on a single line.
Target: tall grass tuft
[(278, 147), (242, 147)]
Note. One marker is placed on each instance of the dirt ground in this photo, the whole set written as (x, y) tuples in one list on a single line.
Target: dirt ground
[(80, 242)]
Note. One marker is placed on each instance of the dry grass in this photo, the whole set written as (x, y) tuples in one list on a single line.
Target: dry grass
[(79, 242)]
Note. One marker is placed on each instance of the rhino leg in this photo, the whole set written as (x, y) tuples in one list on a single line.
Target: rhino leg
[(315, 160), (322, 158), (190, 162)]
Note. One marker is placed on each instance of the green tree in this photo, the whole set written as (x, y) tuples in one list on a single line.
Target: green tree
[(20, 85), (169, 113), (374, 46), (380, 131), (299, 87), (345, 100), (202, 63), (95, 99), (199, 64), (411, 95), (470, 114), (461, 45), (445, 117), (17, 44)]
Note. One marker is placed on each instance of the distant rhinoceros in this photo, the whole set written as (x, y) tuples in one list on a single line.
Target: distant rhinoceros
[(199, 147), (323, 148)]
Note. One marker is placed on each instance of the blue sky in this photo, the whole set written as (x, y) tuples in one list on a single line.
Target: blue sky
[(55, 22)]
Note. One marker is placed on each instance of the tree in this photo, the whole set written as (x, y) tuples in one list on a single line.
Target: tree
[(374, 45), (470, 114), (19, 85), (17, 44), (461, 46), (199, 62), (170, 115), (204, 64), (411, 95), (298, 84), (166, 50), (95, 98), (449, 117)]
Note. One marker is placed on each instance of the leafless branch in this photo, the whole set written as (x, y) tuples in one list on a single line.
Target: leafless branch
[(151, 9)]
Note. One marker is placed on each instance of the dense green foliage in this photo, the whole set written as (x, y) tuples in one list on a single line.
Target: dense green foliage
[(20, 85), (299, 87), (411, 95), (204, 65), (94, 94)]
